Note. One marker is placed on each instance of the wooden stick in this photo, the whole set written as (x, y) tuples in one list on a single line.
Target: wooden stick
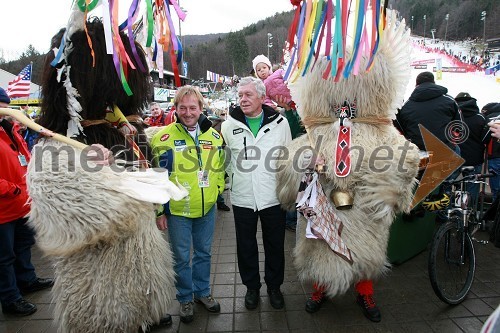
[(19, 116)]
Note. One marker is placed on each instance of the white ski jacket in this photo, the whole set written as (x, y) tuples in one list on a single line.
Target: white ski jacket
[(252, 166)]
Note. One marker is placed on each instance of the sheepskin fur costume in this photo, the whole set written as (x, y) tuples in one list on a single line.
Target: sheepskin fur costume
[(384, 164), (113, 267)]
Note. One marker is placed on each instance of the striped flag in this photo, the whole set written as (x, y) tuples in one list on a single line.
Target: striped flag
[(20, 86)]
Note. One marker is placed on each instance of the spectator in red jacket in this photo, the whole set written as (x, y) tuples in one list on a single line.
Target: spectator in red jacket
[(158, 116), (17, 273)]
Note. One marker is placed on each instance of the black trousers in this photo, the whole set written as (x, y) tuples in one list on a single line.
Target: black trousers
[(272, 222)]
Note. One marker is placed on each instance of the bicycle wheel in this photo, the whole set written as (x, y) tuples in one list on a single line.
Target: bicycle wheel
[(451, 278)]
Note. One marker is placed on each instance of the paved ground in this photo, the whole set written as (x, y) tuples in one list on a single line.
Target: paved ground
[(404, 296)]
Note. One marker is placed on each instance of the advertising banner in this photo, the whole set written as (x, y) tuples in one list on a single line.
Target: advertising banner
[(163, 94), (420, 62), (452, 69)]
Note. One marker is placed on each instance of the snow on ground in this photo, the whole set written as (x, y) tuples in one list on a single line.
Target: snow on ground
[(484, 88)]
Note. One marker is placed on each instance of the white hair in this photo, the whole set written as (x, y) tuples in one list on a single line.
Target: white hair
[(259, 85)]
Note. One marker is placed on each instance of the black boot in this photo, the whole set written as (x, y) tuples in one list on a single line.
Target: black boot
[(38, 284), (314, 302), (19, 308), (252, 299), (276, 298), (370, 309), (165, 321)]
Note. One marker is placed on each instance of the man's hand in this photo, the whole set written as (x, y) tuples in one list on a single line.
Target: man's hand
[(161, 222), (281, 101), (495, 129), (100, 155)]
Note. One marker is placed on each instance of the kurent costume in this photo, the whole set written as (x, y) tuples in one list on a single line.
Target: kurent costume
[(113, 267), (365, 169)]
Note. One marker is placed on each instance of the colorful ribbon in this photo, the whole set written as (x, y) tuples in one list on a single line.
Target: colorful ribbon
[(312, 28)]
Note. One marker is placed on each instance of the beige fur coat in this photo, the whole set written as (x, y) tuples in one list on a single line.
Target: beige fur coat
[(384, 164), (113, 268)]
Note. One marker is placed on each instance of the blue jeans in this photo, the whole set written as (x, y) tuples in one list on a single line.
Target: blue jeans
[(494, 164), (184, 231), (16, 269)]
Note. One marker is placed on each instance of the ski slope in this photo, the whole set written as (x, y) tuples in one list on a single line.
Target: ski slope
[(484, 88)]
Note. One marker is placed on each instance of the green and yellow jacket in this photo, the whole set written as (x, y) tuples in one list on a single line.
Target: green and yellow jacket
[(185, 157)]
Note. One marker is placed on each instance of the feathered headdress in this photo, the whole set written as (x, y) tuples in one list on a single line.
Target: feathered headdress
[(363, 74), (343, 30), (159, 37)]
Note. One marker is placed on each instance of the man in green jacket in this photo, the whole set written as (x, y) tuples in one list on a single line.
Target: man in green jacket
[(191, 150)]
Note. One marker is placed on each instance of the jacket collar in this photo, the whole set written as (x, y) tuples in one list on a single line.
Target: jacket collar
[(269, 115)]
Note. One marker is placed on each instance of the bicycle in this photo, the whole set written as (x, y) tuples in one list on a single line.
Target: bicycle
[(452, 260)]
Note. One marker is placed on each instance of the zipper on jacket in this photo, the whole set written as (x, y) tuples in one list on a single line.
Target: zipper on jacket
[(245, 145), (198, 155)]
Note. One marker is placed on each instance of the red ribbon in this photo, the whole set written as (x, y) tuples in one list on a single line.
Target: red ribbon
[(293, 27), (342, 151)]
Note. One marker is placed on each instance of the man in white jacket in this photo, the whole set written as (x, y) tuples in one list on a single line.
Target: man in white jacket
[(256, 136)]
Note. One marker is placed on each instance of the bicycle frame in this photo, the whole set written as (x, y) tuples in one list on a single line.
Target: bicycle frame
[(452, 258), (462, 223), (461, 212)]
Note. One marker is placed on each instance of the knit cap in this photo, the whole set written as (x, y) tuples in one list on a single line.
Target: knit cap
[(4, 98), (261, 58)]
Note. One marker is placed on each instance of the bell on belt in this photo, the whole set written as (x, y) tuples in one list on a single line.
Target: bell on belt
[(342, 200)]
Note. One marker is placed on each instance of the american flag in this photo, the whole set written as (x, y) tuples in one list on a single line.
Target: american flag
[(20, 86)]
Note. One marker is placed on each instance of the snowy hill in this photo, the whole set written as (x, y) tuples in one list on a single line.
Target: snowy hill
[(484, 88)]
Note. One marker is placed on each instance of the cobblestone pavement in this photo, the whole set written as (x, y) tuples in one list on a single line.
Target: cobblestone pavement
[(405, 297)]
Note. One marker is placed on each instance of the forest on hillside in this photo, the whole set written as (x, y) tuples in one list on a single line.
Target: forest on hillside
[(232, 53), (455, 19)]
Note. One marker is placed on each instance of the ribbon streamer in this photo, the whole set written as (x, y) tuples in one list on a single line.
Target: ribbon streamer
[(312, 29)]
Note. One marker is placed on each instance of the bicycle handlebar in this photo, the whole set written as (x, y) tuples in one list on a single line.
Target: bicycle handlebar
[(470, 178)]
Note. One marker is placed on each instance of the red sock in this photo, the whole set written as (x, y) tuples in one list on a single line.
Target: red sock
[(318, 293), (364, 287)]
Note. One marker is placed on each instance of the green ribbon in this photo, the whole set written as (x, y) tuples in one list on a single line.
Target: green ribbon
[(125, 85), (82, 4), (149, 6)]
